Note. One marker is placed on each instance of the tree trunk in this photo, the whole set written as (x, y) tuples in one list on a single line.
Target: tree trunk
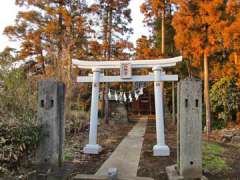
[(163, 31), (59, 61), (42, 61), (235, 58), (106, 104), (189, 67), (206, 94), (105, 38)]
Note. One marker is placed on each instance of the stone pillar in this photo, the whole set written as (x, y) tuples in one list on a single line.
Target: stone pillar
[(51, 117), (190, 128), (160, 149), (93, 147)]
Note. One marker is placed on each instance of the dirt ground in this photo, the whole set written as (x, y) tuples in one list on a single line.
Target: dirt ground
[(223, 160), (150, 166), (154, 167), (220, 160), (230, 155), (109, 137), (76, 162)]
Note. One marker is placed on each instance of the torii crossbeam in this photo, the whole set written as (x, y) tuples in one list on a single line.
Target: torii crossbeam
[(159, 76)]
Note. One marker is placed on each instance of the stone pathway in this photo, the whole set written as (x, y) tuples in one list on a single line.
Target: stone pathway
[(127, 155)]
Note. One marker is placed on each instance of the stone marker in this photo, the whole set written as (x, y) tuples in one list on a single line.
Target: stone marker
[(235, 140), (119, 112), (190, 128), (173, 173), (51, 117), (112, 173)]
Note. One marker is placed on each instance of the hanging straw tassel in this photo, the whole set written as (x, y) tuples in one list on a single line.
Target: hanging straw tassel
[(109, 94), (141, 91), (116, 96), (130, 97), (136, 95), (124, 97)]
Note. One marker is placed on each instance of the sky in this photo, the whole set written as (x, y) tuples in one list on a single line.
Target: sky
[(9, 10)]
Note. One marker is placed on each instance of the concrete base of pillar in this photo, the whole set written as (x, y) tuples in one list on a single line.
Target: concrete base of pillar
[(96, 177), (161, 150), (173, 174), (92, 149)]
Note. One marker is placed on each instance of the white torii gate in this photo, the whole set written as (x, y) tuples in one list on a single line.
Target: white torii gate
[(159, 76)]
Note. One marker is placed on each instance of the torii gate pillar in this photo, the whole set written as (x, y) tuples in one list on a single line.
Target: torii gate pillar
[(160, 149), (93, 147)]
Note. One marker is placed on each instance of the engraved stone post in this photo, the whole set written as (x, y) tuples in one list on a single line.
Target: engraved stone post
[(51, 116), (190, 128)]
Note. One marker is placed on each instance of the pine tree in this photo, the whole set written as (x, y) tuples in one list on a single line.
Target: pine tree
[(232, 33), (200, 27), (115, 18), (144, 49), (52, 32), (158, 16)]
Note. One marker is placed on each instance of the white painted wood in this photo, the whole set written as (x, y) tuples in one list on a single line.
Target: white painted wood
[(168, 62), (160, 149), (126, 70), (146, 78), (93, 147)]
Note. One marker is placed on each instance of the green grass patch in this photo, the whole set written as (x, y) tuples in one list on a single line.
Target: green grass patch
[(68, 156), (212, 148), (213, 160)]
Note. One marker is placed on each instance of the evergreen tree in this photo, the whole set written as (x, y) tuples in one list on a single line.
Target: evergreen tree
[(52, 32), (200, 27), (158, 16), (115, 17)]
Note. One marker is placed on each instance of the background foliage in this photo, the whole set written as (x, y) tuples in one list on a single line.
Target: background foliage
[(225, 99), (19, 131)]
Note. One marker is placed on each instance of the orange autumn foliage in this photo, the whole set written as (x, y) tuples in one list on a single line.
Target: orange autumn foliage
[(206, 25), (145, 50)]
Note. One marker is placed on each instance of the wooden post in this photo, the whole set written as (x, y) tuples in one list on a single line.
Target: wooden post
[(160, 149), (51, 116), (92, 147)]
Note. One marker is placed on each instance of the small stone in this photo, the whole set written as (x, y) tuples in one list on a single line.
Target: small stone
[(76, 161), (236, 140), (112, 173), (3, 170), (237, 132), (228, 133), (20, 177)]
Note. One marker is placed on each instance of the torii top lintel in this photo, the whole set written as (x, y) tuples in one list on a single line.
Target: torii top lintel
[(167, 62)]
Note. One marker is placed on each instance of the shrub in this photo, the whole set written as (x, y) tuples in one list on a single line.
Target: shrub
[(225, 97), (19, 131), (17, 142)]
